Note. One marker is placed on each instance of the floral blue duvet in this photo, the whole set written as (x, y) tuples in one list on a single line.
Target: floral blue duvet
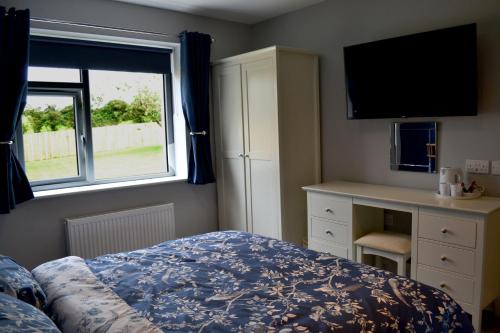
[(240, 282)]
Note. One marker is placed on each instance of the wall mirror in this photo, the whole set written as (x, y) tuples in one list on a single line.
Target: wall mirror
[(414, 146)]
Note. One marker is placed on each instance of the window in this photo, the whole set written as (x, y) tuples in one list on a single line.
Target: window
[(49, 135), (128, 124), (96, 112)]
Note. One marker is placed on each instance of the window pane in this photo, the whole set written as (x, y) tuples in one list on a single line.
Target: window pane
[(50, 74), (49, 137), (128, 124)]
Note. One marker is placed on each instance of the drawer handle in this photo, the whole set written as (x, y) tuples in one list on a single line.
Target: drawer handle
[(444, 230), (328, 232), (443, 258), (442, 285), (329, 210)]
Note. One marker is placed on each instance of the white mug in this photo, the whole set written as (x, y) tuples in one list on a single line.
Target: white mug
[(450, 175), (456, 190), (444, 189)]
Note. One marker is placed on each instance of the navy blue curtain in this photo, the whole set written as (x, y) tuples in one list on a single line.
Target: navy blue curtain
[(195, 68), (14, 49)]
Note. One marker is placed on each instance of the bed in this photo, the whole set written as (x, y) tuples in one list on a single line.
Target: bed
[(239, 282)]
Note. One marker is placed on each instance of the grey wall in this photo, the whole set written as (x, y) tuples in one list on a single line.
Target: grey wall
[(359, 150), (352, 150), (34, 232)]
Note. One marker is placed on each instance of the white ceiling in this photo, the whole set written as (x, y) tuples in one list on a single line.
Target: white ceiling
[(243, 11)]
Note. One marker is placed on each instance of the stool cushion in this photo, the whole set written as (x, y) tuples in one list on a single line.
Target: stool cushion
[(386, 241)]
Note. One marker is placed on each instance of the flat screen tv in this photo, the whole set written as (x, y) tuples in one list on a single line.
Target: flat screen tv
[(428, 74)]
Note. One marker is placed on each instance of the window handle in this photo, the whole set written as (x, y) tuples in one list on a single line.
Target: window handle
[(84, 140)]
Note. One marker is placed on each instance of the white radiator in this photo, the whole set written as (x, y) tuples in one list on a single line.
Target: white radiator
[(127, 230)]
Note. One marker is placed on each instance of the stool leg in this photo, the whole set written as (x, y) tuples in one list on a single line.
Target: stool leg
[(359, 254), (401, 265)]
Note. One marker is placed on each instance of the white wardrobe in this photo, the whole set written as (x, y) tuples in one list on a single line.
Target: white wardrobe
[(267, 133)]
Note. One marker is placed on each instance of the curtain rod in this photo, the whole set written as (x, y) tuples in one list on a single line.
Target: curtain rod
[(96, 26)]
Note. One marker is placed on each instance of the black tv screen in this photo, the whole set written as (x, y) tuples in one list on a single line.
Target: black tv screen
[(422, 75)]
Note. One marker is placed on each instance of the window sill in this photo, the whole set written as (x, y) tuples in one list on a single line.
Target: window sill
[(105, 187)]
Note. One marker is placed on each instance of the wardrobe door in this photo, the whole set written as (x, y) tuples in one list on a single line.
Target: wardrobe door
[(228, 115), (261, 143)]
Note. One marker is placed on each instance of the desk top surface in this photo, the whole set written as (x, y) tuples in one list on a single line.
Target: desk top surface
[(402, 195)]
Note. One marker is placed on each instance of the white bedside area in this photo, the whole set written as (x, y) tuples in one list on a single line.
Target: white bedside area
[(455, 243)]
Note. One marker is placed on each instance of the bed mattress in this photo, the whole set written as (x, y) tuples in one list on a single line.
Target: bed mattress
[(240, 282)]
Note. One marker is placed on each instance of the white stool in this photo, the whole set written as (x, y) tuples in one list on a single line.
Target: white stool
[(390, 245)]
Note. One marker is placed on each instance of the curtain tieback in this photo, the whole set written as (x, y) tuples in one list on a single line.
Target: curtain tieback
[(6, 142), (198, 133)]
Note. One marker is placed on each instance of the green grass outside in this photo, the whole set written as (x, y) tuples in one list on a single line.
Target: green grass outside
[(110, 164)]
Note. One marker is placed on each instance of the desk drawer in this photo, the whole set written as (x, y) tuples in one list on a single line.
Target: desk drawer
[(331, 207), (321, 246), (461, 289), (446, 257), (329, 231), (447, 229)]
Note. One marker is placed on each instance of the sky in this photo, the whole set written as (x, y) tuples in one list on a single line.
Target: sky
[(107, 85)]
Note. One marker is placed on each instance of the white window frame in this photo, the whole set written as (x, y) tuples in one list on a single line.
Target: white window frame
[(177, 151)]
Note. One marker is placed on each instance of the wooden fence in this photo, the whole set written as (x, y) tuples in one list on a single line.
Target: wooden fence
[(48, 145)]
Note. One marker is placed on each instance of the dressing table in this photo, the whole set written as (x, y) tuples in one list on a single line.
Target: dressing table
[(455, 243)]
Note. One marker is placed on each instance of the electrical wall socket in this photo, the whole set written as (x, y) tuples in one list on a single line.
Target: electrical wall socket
[(477, 166), (495, 168)]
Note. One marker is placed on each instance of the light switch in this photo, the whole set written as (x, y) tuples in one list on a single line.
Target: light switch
[(477, 166), (495, 168)]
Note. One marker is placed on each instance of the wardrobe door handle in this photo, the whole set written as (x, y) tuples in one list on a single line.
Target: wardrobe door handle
[(241, 155), (329, 210), (442, 285), (444, 230), (328, 232), (443, 258)]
